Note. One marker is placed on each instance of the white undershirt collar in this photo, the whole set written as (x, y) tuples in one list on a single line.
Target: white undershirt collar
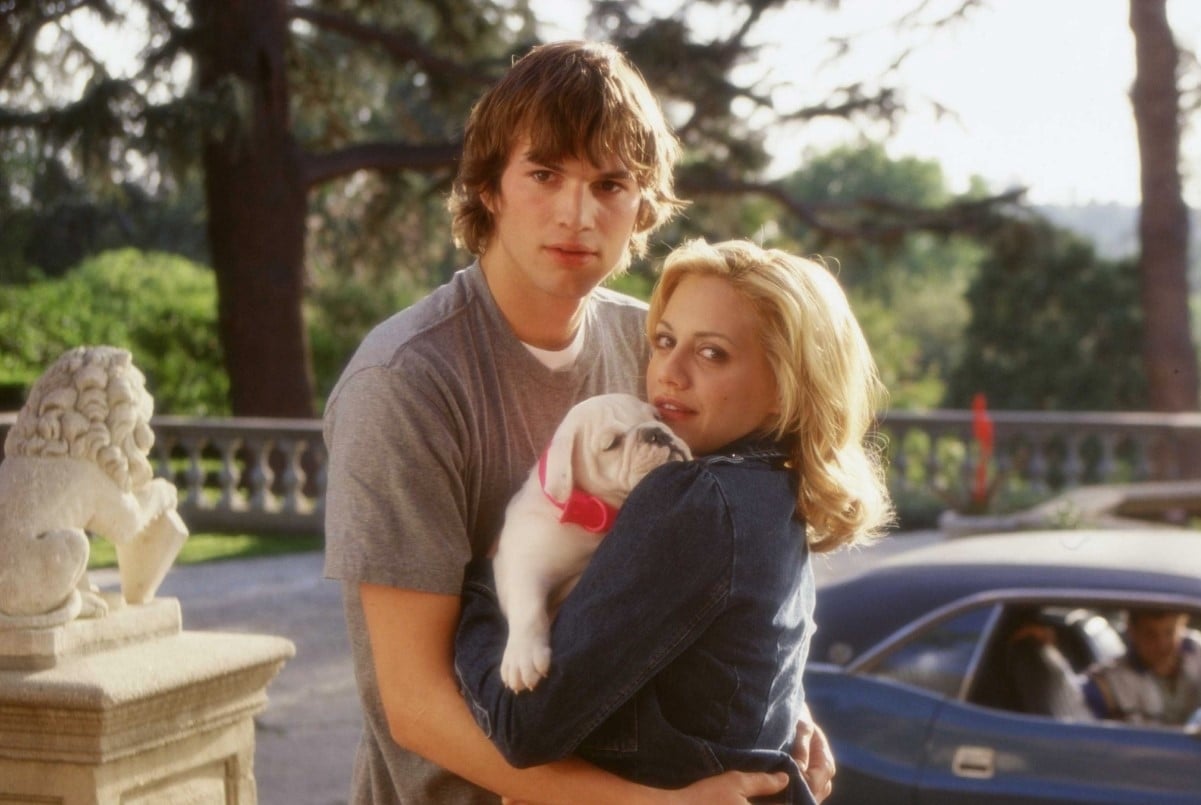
[(556, 359)]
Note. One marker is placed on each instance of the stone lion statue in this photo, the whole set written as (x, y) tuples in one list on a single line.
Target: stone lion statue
[(77, 461)]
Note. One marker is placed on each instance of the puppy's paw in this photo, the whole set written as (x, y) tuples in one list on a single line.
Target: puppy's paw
[(526, 662)]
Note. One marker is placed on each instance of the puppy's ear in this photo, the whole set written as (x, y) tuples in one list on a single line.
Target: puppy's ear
[(559, 456)]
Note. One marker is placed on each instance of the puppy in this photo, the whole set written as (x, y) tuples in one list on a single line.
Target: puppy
[(602, 448)]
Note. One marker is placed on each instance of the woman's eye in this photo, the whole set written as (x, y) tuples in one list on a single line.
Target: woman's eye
[(663, 341), (712, 354)]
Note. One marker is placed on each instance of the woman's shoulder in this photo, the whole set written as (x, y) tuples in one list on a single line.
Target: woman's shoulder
[(705, 480), (673, 478)]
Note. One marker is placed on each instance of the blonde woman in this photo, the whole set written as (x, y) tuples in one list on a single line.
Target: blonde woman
[(680, 652)]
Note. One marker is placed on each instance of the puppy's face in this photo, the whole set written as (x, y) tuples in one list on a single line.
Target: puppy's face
[(605, 445)]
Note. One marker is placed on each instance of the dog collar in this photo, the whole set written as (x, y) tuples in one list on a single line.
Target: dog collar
[(582, 509)]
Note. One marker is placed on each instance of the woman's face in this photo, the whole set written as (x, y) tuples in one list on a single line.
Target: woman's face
[(709, 376)]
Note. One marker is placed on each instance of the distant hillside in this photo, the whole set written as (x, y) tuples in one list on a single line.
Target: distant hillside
[(1111, 227)]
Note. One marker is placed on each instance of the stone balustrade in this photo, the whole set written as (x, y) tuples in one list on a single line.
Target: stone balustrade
[(268, 475)]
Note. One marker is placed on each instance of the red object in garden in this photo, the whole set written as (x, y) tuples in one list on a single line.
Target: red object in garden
[(982, 430)]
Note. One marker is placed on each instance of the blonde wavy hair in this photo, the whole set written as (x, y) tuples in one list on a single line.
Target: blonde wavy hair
[(574, 99), (90, 404), (830, 390)]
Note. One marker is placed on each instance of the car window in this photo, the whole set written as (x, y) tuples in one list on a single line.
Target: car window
[(938, 657)]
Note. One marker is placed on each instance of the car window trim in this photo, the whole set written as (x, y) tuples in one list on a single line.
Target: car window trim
[(998, 599)]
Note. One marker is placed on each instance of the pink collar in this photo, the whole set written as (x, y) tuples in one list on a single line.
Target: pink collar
[(581, 509)]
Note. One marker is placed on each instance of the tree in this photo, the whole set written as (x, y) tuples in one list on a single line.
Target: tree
[(1053, 327), (290, 99), (1169, 356), (239, 115), (908, 288)]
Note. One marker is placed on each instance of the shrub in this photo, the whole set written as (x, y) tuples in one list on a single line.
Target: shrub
[(160, 307)]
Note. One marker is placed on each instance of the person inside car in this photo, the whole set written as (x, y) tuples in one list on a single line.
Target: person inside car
[(1040, 680), (1158, 679)]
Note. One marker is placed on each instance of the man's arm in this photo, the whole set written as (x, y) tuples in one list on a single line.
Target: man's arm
[(412, 640)]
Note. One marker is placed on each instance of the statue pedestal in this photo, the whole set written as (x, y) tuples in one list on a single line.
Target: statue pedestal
[(131, 709)]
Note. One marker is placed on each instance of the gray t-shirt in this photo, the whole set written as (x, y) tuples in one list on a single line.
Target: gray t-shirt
[(434, 424)]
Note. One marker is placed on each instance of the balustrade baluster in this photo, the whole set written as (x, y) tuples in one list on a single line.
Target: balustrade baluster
[(289, 479), (227, 476), (1073, 462), (1143, 451), (898, 459), (1037, 466), (1107, 465), (193, 475), (258, 475)]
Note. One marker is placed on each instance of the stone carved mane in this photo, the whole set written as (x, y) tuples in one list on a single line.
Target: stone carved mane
[(77, 461), (90, 404)]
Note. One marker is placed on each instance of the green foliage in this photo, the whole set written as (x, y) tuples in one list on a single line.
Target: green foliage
[(1053, 326), (854, 178), (865, 171), (907, 293), (910, 375), (160, 307), (340, 313), (638, 282)]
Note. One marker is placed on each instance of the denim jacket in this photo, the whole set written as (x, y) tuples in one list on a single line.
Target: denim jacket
[(679, 653)]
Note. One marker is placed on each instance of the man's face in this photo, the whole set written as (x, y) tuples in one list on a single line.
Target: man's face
[(561, 227), (1156, 641)]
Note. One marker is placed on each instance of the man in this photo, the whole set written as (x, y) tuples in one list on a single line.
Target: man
[(566, 170), (1158, 680)]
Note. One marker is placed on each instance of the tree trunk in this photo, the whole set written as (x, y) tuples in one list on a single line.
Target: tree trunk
[(256, 200), (1169, 356)]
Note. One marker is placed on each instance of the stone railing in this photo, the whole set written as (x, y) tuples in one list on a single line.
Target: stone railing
[(241, 474), (1036, 454), (268, 475)]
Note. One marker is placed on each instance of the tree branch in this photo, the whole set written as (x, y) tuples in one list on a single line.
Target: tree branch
[(402, 46), (381, 156), (873, 219), (27, 32)]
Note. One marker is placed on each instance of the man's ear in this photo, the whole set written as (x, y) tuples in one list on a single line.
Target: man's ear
[(645, 218), (489, 198)]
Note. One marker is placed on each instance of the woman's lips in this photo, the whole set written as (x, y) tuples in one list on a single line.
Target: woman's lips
[(672, 410)]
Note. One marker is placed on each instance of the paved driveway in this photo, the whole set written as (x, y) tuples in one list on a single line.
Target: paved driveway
[(307, 736)]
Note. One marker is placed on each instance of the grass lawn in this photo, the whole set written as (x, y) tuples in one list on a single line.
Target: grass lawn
[(214, 547)]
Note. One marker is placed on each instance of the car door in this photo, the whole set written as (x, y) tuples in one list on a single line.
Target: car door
[(879, 712), (980, 756), (878, 733)]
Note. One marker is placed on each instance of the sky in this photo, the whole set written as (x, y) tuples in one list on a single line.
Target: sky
[(1039, 89)]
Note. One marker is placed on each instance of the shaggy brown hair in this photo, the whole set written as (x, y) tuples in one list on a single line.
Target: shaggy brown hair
[(571, 100)]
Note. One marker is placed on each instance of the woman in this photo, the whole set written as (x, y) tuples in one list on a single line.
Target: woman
[(679, 653)]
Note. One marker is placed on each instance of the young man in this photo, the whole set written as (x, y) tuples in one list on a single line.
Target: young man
[(1158, 680), (566, 170)]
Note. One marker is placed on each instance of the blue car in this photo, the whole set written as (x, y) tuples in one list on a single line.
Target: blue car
[(912, 672)]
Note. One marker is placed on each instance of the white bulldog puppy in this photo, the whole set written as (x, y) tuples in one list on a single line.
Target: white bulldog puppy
[(601, 449)]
